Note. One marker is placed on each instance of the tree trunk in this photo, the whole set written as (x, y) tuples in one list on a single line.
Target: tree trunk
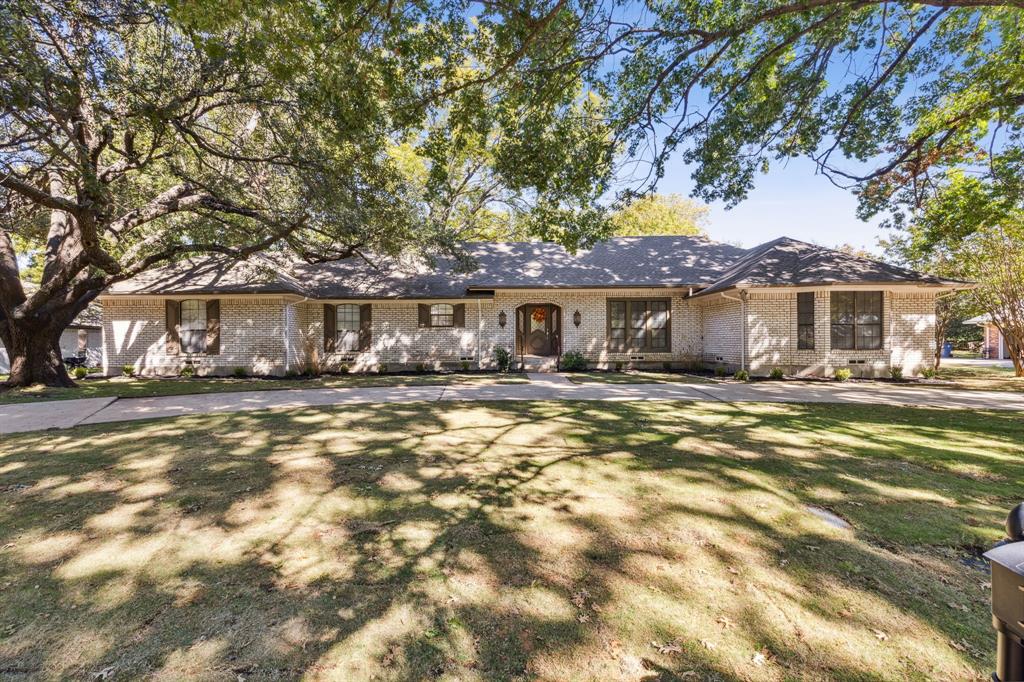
[(1015, 344), (35, 356)]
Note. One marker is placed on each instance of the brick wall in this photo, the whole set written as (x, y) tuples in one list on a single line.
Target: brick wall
[(267, 335), (251, 336), (908, 335)]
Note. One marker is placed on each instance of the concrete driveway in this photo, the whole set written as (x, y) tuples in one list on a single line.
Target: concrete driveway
[(62, 414)]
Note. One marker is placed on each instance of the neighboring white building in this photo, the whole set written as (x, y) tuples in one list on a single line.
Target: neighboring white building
[(628, 302), (82, 339)]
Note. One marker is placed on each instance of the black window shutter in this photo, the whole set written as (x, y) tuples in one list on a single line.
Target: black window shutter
[(460, 315), (172, 316), (424, 315), (213, 327), (365, 326), (330, 327)]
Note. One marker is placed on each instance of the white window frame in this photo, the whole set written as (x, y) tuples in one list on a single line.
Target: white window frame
[(192, 328), (442, 315)]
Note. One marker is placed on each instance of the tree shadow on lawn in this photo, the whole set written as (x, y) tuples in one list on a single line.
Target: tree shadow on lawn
[(504, 541)]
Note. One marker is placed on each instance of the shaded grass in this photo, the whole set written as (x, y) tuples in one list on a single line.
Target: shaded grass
[(507, 541), (636, 377), (982, 377), (131, 387)]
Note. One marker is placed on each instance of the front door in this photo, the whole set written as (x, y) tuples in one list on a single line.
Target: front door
[(537, 339)]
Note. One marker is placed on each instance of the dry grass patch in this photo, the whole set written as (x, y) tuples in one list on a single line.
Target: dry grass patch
[(566, 540)]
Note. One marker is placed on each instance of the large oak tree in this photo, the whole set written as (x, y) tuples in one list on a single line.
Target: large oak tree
[(136, 132)]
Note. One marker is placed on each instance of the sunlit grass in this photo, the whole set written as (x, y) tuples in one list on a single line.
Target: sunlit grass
[(559, 540), (135, 387)]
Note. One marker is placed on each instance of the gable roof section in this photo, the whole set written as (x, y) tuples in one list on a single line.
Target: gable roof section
[(642, 262), (788, 262)]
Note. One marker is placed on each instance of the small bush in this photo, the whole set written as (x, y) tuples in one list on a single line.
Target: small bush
[(239, 372), (843, 374), (928, 372), (465, 365), (343, 368), (420, 367), (187, 371), (128, 370), (573, 361), (503, 359), (741, 375), (80, 372), (721, 371), (618, 366), (291, 374), (382, 368), (896, 372), (776, 373)]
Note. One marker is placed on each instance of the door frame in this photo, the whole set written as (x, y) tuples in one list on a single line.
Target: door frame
[(555, 328)]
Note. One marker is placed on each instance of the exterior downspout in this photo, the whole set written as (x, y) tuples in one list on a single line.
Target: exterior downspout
[(479, 331), (743, 325)]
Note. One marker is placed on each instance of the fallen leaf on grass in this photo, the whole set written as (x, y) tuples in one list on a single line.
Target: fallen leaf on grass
[(667, 648), (880, 635)]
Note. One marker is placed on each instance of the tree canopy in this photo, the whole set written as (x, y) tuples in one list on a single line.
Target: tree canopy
[(134, 133), (885, 97), (660, 214)]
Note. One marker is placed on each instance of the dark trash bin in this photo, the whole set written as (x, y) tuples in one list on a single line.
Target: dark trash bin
[(1007, 563), (947, 350)]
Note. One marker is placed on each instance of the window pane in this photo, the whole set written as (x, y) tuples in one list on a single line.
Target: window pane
[(842, 336), (842, 307), (659, 338), (192, 327), (659, 314), (637, 322), (869, 336), (617, 314), (869, 307), (805, 308), (442, 315), (805, 337)]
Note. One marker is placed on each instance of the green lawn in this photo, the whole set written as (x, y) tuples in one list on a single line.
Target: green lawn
[(556, 541), (636, 377), (982, 377), (130, 387)]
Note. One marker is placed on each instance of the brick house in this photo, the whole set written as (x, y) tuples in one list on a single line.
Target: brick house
[(628, 302)]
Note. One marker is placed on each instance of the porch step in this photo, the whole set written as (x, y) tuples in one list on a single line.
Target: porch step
[(538, 363)]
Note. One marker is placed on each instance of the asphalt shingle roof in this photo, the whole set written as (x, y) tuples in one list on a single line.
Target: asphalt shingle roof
[(619, 262)]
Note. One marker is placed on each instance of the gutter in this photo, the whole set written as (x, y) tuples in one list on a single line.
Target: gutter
[(743, 325)]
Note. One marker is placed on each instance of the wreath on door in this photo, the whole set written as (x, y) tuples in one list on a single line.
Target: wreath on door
[(539, 314)]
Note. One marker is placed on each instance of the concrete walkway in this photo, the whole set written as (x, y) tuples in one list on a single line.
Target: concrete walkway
[(68, 413)]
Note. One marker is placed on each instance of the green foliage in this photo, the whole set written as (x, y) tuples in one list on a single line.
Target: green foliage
[(843, 374), (421, 367), (343, 368), (867, 91), (382, 368), (573, 361), (896, 373), (465, 365), (741, 375), (721, 371), (776, 373), (928, 372), (188, 371), (618, 366), (80, 372), (660, 214), (503, 359), (239, 372), (128, 370)]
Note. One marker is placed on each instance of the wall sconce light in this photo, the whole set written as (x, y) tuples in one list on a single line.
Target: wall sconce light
[(502, 319), (576, 318)]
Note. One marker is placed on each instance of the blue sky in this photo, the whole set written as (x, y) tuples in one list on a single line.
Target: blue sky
[(789, 201)]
